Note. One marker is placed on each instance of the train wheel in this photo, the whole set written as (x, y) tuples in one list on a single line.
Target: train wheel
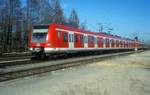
[(39, 56), (42, 56)]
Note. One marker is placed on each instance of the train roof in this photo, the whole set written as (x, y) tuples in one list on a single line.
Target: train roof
[(95, 33), (82, 30)]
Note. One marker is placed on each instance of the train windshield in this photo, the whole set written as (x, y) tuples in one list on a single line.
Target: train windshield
[(39, 33)]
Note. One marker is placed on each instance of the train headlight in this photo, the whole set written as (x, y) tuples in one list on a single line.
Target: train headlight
[(31, 49), (48, 44)]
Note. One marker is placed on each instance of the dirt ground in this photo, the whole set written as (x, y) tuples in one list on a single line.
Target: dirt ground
[(127, 75)]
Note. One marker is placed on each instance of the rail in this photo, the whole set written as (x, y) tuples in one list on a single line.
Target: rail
[(14, 72)]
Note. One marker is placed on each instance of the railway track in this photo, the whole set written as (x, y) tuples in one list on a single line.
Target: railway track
[(9, 61), (18, 71), (14, 58), (15, 54)]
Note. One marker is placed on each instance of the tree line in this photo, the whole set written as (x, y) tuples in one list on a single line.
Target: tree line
[(16, 20)]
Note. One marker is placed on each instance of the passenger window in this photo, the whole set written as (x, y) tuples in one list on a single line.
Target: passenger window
[(90, 39), (100, 40), (113, 42), (65, 37), (117, 43), (76, 38), (58, 34), (104, 41), (107, 41), (81, 38), (95, 40), (110, 41), (85, 39), (121, 43)]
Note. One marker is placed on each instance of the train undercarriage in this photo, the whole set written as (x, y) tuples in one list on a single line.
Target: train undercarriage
[(40, 54)]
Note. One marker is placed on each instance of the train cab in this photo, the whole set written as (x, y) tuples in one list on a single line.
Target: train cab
[(38, 39)]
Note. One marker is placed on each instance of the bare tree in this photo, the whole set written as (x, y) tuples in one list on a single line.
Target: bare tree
[(33, 7), (17, 24), (11, 14), (58, 16), (74, 20), (83, 25), (1, 22), (46, 10), (6, 11)]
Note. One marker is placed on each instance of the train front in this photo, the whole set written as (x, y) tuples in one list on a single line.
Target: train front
[(37, 40)]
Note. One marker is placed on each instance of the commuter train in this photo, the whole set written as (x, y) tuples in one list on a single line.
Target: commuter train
[(54, 38)]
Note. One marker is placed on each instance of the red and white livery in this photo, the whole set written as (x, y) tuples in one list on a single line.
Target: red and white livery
[(55, 38)]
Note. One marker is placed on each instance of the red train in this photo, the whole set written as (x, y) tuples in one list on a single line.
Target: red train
[(55, 38)]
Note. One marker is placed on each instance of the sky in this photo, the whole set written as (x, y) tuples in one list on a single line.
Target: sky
[(128, 18)]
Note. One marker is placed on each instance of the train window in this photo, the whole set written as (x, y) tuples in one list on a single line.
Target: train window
[(39, 37), (95, 40), (39, 33), (90, 39), (100, 40), (85, 39), (76, 38), (121, 43), (124, 43), (127, 44), (113, 42), (107, 41), (110, 41), (117, 43), (65, 37), (81, 38), (104, 41), (59, 33)]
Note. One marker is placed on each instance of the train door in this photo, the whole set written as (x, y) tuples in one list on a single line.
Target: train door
[(71, 40), (104, 43), (110, 43), (85, 41), (95, 42)]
